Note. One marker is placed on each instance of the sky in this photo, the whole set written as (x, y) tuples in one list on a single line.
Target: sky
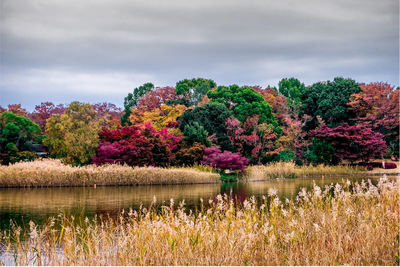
[(100, 50)]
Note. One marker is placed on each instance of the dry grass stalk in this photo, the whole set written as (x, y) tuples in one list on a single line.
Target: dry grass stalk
[(355, 224), (51, 172), (290, 170)]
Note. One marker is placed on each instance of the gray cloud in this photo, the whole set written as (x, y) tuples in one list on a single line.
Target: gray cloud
[(99, 51)]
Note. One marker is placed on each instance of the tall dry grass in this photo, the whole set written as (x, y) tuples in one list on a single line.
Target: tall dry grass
[(51, 172), (290, 170), (355, 224)]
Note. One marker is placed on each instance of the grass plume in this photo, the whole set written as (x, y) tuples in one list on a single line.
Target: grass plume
[(355, 224)]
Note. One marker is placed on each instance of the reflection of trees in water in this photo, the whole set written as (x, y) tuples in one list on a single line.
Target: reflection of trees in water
[(38, 204)]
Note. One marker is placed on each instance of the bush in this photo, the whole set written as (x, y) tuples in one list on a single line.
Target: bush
[(224, 160), (390, 165)]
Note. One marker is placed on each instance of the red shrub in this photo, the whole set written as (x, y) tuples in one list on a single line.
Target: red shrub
[(224, 160)]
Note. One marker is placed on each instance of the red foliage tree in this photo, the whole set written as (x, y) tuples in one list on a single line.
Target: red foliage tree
[(253, 140), (104, 109), (17, 109), (352, 142), (44, 111), (377, 107), (154, 99), (224, 160), (136, 146)]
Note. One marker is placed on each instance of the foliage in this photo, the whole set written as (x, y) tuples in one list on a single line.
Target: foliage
[(139, 145), (377, 107), (44, 111), (321, 152), (156, 98), (348, 142), (255, 141), (195, 133), (17, 109), (73, 135), (211, 116), (328, 101), (293, 90), (132, 99), (245, 102), (17, 134), (224, 160), (161, 117), (189, 155), (194, 90)]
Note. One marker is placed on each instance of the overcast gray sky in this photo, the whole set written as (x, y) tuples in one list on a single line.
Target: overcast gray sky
[(97, 51)]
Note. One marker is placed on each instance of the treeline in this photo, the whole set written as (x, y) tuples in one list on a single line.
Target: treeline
[(223, 126)]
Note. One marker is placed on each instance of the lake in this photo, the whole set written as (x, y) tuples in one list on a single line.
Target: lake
[(38, 204)]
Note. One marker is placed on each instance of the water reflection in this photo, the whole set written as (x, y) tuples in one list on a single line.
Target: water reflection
[(22, 205)]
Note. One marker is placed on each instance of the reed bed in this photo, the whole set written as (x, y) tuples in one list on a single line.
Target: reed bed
[(52, 173), (290, 170), (353, 224)]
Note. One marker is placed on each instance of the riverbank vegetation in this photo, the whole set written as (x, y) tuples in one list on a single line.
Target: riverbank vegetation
[(53, 173), (353, 224), (329, 123)]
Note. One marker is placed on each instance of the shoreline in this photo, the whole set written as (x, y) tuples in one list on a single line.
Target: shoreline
[(52, 173)]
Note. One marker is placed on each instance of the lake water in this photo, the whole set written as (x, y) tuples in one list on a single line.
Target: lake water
[(38, 204)]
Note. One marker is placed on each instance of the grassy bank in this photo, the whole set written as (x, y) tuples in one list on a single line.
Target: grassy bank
[(352, 225), (43, 173), (290, 170)]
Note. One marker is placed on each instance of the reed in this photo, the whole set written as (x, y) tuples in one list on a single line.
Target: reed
[(290, 170), (52, 173), (353, 224)]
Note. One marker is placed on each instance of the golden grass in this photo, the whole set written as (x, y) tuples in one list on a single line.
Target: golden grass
[(290, 170), (51, 172), (354, 224)]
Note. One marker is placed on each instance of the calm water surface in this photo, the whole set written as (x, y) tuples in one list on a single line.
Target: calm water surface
[(38, 204)]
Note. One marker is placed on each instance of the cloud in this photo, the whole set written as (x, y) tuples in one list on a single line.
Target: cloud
[(241, 42)]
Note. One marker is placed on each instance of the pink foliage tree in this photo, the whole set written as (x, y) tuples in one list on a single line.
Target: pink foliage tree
[(224, 160), (154, 99)]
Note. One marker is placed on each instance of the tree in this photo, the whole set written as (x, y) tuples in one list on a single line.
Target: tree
[(194, 90), (195, 133), (347, 142), (17, 134), (17, 109), (107, 110), (212, 116), (224, 160), (73, 135), (155, 99), (244, 102), (326, 103), (161, 117), (44, 111), (293, 90), (140, 145), (188, 155), (132, 99), (257, 142), (377, 107)]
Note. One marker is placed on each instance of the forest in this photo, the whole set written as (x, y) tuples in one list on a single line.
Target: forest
[(225, 127)]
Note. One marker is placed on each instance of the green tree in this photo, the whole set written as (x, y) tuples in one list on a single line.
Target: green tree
[(293, 90), (194, 90), (73, 135), (17, 134), (327, 102), (132, 100), (245, 102), (195, 133), (212, 116)]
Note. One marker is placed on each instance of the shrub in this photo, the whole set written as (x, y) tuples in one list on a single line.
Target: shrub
[(224, 160)]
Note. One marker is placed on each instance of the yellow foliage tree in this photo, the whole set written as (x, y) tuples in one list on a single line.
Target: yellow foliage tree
[(160, 117)]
